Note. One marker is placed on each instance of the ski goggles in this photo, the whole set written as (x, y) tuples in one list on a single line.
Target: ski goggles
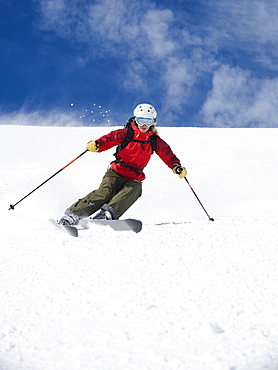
[(141, 121)]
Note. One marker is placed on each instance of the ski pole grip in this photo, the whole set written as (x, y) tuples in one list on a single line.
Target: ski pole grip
[(179, 170)]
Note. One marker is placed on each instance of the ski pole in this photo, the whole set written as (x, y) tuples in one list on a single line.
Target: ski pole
[(210, 218), (13, 205)]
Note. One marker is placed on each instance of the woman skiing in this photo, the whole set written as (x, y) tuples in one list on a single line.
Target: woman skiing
[(121, 185)]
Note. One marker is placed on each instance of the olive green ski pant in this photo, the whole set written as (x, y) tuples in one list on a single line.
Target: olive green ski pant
[(117, 191)]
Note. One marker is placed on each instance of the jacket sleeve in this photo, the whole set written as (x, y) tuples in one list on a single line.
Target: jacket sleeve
[(164, 151), (112, 139)]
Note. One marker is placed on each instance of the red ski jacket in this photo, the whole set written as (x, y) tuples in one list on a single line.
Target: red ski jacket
[(136, 154)]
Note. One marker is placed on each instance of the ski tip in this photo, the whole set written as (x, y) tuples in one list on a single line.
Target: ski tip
[(135, 225), (138, 228), (71, 230)]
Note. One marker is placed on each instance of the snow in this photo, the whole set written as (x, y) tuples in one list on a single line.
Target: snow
[(185, 293)]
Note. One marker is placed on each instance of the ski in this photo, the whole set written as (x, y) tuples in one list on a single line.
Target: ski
[(71, 230), (129, 224)]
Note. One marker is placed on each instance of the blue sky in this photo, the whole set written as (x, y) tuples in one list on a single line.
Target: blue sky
[(199, 62)]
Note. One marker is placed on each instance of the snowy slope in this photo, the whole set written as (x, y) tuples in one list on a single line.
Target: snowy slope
[(185, 293)]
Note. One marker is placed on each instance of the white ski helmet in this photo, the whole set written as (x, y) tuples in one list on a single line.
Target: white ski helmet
[(146, 111)]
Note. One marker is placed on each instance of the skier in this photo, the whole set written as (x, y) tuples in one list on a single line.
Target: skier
[(121, 185)]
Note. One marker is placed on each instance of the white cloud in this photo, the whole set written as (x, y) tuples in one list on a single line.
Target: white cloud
[(250, 20), (239, 100), (250, 25), (178, 82), (39, 118), (156, 32), (150, 48), (265, 110), (53, 14), (108, 18), (139, 32), (131, 29), (159, 52), (135, 76)]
